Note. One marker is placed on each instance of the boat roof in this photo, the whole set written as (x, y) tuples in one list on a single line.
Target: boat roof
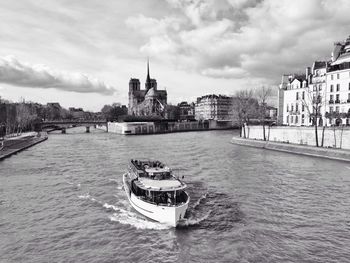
[(160, 185), (154, 170), (150, 168)]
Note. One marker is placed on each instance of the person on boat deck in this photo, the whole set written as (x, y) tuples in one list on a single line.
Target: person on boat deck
[(169, 198)]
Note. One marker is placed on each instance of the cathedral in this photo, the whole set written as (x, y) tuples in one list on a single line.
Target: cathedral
[(148, 101)]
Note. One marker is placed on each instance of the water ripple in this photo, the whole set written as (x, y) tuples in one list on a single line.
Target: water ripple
[(63, 200)]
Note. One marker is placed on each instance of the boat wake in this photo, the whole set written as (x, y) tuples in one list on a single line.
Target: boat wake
[(198, 202), (194, 221), (123, 214), (128, 217)]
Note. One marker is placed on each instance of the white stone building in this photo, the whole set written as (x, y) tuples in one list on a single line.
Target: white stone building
[(338, 85), (329, 82), (297, 93)]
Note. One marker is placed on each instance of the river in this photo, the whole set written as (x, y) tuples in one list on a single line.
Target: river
[(62, 201)]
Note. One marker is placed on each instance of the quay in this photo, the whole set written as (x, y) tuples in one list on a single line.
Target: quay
[(16, 144), (329, 153), (142, 127)]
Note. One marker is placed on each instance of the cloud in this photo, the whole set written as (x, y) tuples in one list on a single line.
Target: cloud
[(21, 74), (246, 38), (225, 72), (149, 26)]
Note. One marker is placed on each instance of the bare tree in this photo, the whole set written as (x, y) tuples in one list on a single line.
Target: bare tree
[(22, 117), (243, 108), (313, 102), (262, 95)]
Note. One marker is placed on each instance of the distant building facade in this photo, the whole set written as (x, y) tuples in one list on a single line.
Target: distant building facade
[(76, 113), (271, 112), (186, 111), (53, 111), (146, 102), (327, 82), (213, 107)]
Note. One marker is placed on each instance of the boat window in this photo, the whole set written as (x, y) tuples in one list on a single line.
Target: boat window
[(165, 197)]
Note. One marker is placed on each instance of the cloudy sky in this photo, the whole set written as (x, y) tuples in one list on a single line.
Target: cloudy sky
[(83, 53)]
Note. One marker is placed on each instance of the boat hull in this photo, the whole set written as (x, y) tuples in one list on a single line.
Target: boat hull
[(170, 215)]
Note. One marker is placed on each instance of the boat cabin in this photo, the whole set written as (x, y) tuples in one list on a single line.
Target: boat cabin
[(153, 182)]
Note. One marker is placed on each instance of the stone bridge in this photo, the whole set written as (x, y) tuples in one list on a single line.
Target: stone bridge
[(66, 124)]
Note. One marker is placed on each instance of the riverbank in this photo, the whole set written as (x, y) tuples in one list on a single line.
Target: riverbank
[(333, 137), (329, 153), (14, 145)]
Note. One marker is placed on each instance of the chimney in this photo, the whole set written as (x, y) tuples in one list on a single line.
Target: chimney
[(307, 72)]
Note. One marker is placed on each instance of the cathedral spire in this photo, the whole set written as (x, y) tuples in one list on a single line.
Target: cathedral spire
[(148, 79)]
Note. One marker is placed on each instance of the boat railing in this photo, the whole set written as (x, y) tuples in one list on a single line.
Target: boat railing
[(177, 203), (179, 200), (142, 165)]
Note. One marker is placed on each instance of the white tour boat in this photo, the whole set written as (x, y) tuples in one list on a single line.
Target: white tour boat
[(155, 192)]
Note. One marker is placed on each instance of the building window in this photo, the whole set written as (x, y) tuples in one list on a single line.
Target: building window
[(296, 119), (332, 87), (302, 107), (296, 107), (297, 95), (287, 107), (348, 97), (349, 84), (331, 97), (338, 76), (337, 97), (303, 96), (330, 109), (288, 119), (292, 107), (291, 119), (331, 77), (337, 109), (302, 119), (338, 87)]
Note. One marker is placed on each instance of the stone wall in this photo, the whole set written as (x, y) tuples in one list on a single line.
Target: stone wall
[(329, 153), (302, 135)]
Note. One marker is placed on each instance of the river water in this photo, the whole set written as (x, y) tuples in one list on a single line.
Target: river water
[(62, 201)]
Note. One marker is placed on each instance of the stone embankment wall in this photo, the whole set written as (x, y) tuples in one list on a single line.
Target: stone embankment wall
[(329, 153), (16, 144), (337, 138)]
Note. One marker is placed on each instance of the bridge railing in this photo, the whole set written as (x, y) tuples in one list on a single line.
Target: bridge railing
[(74, 122)]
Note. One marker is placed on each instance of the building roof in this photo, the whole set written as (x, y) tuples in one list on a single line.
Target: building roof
[(319, 64), (345, 57), (151, 93), (212, 96), (301, 78)]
